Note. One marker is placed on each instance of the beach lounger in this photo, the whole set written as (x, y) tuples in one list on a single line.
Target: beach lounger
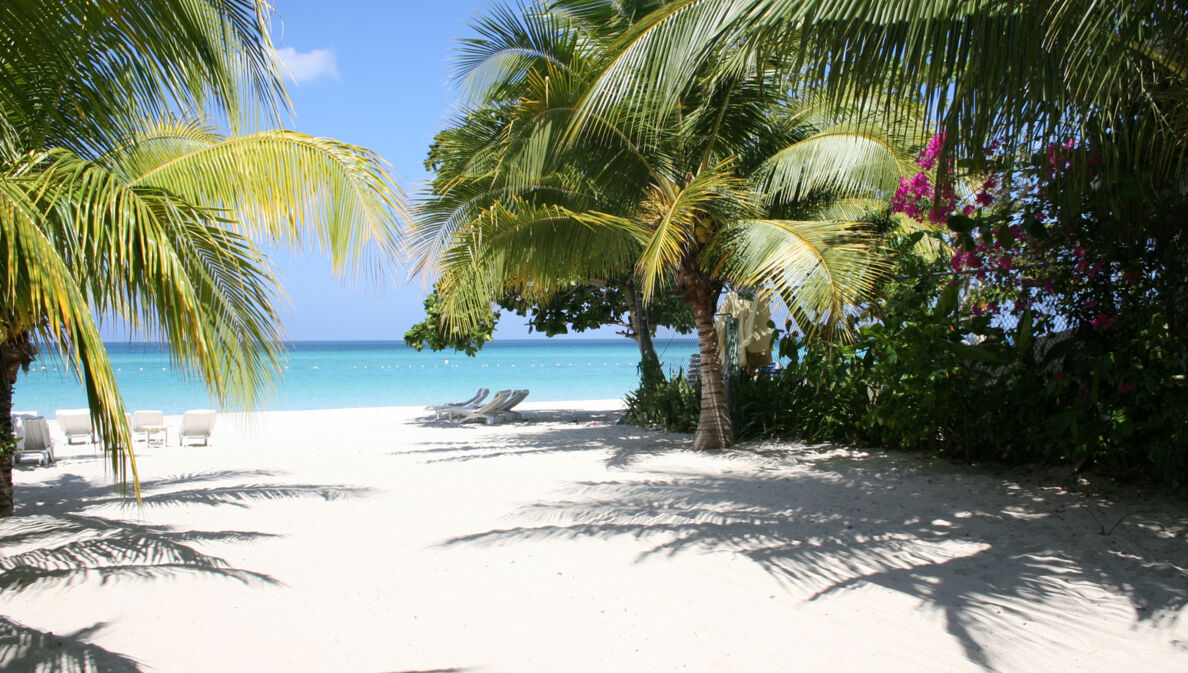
[(479, 395), (516, 397), (150, 424), (196, 424), (18, 419), (37, 445), (76, 423), (497, 410), (488, 412)]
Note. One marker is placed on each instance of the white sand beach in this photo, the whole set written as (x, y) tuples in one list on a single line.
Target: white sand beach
[(379, 540)]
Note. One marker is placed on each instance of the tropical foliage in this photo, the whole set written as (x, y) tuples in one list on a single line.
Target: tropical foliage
[(111, 205), (1037, 339), (1023, 72), (735, 183)]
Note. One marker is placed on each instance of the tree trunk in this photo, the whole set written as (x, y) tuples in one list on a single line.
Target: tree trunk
[(15, 355), (700, 293), (649, 364)]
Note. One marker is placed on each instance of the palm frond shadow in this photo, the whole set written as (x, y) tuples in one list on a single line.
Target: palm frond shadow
[(117, 550), (27, 649), (953, 560), (69, 493), (66, 545)]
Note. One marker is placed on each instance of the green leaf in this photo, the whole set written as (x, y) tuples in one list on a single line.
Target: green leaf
[(961, 223), (947, 303), (1025, 339)]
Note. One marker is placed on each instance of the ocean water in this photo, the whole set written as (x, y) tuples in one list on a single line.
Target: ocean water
[(345, 374)]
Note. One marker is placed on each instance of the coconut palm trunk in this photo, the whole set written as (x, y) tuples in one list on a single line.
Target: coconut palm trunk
[(15, 355), (700, 293)]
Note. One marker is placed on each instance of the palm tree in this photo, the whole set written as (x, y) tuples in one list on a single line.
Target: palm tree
[(737, 183), (1023, 72), (102, 212)]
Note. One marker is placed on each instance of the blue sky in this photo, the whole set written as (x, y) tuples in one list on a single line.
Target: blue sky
[(373, 73)]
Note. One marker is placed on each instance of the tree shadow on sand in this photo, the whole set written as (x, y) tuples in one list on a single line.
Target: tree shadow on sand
[(554, 432), (987, 563), (66, 544), (27, 649)]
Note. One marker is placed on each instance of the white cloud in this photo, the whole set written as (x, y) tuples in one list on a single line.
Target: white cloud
[(309, 65)]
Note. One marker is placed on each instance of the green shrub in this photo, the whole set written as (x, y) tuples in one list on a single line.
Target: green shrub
[(1112, 399), (671, 405)]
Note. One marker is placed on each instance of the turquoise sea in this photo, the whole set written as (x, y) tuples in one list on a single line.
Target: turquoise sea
[(344, 374)]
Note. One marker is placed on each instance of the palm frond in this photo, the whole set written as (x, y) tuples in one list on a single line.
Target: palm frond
[(170, 269), (41, 293), (822, 270), (76, 75), (537, 251), (845, 160), (511, 42), (685, 221), (1027, 72), (282, 185)]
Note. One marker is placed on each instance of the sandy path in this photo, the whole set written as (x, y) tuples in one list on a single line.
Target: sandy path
[(373, 541)]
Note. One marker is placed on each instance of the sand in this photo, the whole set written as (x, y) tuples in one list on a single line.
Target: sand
[(378, 540)]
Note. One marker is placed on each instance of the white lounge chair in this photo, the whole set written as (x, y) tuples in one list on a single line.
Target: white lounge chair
[(38, 444), (76, 423), (516, 398), (487, 412), (196, 424), (497, 410), (18, 423), (479, 395), (151, 424)]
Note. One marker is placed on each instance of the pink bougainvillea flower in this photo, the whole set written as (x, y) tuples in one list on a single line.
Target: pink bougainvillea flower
[(922, 186), (928, 157), (983, 199), (968, 211), (1005, 263), (1102, 321), (1125, 388)]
